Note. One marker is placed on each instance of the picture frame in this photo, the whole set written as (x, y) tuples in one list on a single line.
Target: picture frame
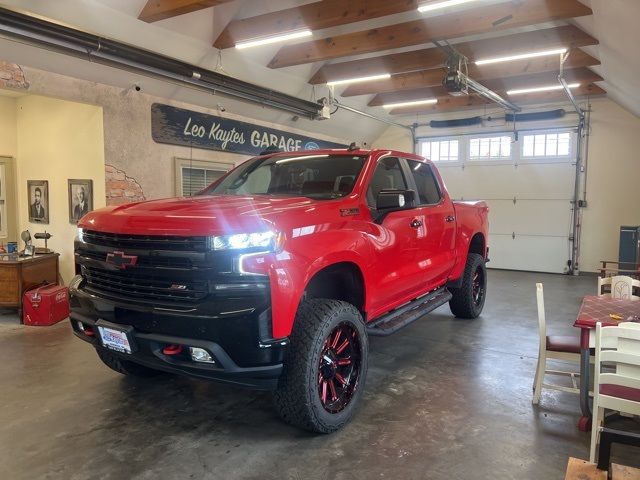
[(38, 201), (80, 196)]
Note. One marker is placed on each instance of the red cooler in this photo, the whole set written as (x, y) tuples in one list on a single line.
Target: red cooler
[(45, 305)]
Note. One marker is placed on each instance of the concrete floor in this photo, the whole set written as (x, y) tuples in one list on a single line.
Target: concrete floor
[(445, 399)]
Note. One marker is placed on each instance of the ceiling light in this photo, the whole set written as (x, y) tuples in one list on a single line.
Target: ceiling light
[(427, 7), (541, 89), (275, 39), (383, 76), (522, 56), (428, 101)]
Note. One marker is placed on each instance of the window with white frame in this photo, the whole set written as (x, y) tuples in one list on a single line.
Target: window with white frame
[(490, 148), (546, 145), (194, 175), (441, 150)]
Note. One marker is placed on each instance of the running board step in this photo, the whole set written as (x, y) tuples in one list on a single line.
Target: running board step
[(409, 313)]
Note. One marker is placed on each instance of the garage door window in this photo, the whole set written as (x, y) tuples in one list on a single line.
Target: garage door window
[(441, 150), (490, 148), (546, 145), (428, 189)]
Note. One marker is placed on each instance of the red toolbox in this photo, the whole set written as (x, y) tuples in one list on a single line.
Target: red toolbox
[(45, 305)]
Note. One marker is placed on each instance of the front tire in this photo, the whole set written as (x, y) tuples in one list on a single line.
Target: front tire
[(468, 300), (125, 367), (324, 373)]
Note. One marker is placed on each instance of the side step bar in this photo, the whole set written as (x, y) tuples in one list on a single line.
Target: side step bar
[(409, 313)]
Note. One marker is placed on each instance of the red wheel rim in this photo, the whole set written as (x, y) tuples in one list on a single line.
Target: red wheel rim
[(339, 368)]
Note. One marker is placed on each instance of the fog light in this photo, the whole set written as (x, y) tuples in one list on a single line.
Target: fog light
[(201, 355)]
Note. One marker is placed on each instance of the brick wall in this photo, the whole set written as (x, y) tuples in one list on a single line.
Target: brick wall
[(121, 188), (12, 76)]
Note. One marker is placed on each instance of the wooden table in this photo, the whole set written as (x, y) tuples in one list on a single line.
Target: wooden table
[(596, 309), (19, 274)]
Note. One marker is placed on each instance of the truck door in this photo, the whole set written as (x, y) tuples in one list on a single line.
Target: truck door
[(436, 237), (397, 274)]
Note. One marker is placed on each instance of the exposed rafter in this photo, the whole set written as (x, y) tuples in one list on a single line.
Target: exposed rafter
[(424, 59), (548, 67), (469, 22), (155, 10), (448, 103), (314, 16)]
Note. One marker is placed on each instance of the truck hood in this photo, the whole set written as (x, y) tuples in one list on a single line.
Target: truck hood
[(203, 215)]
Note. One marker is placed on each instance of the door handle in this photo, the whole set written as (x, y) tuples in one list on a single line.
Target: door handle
[(416, 223), (449, 218)]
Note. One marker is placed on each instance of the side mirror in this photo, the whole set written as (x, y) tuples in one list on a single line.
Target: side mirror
[(395, 199)]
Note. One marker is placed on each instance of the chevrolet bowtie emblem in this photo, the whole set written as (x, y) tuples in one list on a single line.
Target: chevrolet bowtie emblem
[(121, 260)]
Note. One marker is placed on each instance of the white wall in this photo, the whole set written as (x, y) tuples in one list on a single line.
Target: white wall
[(57, 141), (8, 139), (613, 179), (613, 172)]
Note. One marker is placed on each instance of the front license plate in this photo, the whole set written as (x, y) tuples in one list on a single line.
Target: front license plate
[(115, 339)]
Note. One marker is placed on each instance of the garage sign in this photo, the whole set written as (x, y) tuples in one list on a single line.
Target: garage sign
[(178, 126)]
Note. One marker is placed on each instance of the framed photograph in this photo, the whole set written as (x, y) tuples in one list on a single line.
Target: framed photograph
[(38, 191), (80, 199)]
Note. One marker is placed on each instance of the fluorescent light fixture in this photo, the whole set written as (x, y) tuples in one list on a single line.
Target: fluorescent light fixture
[(541, 89), (522, 56), (275, 39), (370, 78), (428, 7), (428, 101)]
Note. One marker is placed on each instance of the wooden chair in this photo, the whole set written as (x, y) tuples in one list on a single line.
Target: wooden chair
[(618, 346), (611, 269), (620, 286), (556, 347)]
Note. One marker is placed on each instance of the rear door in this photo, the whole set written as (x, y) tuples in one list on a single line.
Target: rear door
[(437, 233), (397, 275)]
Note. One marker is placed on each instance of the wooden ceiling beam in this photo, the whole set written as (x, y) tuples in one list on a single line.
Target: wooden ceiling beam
[(155, 10), (447, 104), (432, 78), (473, 21), (580, 75), (427, 58), (314, 16)]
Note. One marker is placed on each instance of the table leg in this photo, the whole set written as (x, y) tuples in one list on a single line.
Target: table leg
[(585, 421)]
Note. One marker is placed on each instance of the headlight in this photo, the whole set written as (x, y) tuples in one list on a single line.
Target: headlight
[(80, 235), (238, 241)]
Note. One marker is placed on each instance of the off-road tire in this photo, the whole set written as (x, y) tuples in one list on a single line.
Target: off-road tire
[(125, 367), (464, 303), (298, 396)]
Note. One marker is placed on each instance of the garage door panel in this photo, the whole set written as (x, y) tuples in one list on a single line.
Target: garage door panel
[(530, 217), (536, 254), (549, 181)]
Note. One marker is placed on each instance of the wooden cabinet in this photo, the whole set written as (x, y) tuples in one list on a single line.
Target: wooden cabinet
[(18, 275)]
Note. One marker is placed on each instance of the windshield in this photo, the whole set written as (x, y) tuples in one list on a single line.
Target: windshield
[(314, 176)]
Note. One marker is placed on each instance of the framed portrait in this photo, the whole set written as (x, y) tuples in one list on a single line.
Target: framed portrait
[(38, 191), (80, 199)]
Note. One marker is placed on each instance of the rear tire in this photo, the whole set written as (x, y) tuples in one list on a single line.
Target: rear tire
[(326, 367), (468, 300), (125, 367)]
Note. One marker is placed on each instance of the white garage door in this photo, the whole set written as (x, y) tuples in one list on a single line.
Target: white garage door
[(528, 185)]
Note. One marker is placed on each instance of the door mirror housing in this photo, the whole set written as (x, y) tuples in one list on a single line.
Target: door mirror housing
[(395, 200)]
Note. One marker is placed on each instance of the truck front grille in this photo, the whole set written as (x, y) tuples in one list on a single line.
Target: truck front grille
[(137, 286), (146, 242)]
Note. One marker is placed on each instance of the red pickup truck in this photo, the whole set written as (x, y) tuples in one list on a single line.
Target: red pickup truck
[(274, 276)]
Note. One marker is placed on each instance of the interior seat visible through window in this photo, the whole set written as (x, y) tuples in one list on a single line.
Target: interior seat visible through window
[(387, 176)]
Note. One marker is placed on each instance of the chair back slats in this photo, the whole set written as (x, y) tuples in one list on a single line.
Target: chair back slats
[(622, 332), (621, 286), (620, 357), (625, 356)]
